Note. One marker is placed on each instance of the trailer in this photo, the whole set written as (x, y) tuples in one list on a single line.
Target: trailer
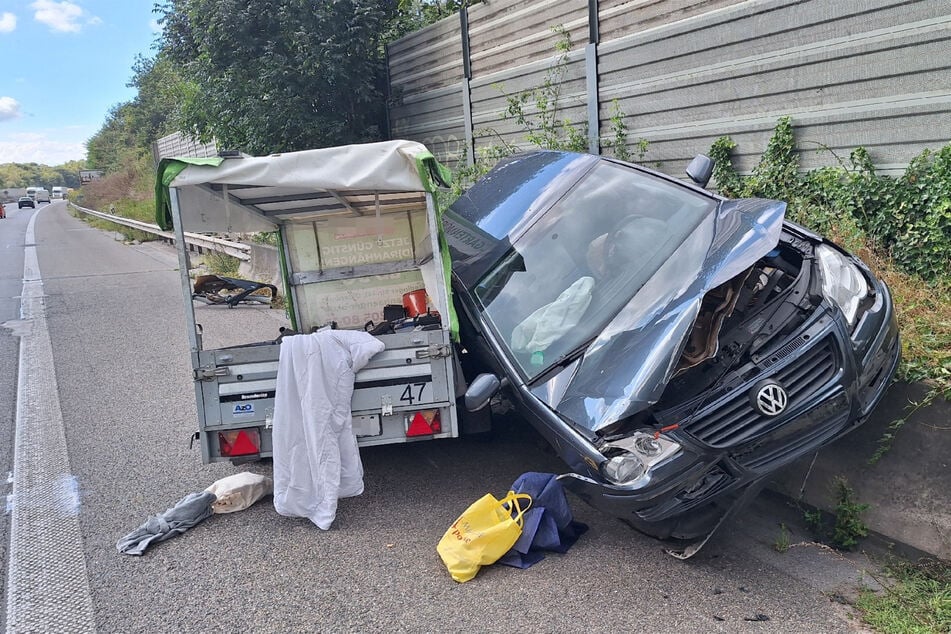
[(360, 247)]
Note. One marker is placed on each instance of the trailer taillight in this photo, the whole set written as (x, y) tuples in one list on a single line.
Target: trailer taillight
[(239, 442), (424, 423)]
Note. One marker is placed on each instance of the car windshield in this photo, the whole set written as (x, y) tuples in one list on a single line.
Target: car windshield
[(571, 272)]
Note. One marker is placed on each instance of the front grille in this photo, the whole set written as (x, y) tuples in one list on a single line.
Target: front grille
[(734, 420), (808, 431)]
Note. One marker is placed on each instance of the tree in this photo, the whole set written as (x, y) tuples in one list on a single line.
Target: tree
[(156, 109), (416, 14), (279, 75), (115, 142), (28, 174)]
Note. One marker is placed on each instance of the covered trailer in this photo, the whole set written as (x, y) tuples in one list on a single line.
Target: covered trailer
[(359, 236)]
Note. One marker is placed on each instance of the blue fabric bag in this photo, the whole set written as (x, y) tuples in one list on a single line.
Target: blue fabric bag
[(548, 525)]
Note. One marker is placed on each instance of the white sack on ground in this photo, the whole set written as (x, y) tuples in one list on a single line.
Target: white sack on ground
[(316, 459), (239, 491)]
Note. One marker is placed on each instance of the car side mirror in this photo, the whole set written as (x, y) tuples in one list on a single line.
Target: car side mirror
[(700, 169), (481, 391)]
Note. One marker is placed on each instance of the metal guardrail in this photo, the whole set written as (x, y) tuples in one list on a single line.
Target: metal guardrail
[(234, 249)]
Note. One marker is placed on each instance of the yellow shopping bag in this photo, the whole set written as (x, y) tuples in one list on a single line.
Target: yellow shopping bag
[(483, 533)]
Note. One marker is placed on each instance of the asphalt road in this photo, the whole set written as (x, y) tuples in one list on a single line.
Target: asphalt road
[(120, 363)]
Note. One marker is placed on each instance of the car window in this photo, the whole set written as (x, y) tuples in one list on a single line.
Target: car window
[(573, 270)]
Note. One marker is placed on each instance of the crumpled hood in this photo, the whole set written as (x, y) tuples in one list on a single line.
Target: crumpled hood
[(626, 368)]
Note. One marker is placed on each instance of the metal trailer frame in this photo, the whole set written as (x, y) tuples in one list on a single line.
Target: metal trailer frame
[(415, 374)]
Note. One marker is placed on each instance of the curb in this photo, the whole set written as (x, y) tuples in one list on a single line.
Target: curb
[(790, 511), (908, 490)]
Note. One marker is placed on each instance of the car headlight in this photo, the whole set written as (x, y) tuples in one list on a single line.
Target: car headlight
[(623, 468), (842, 282), (639, 453)]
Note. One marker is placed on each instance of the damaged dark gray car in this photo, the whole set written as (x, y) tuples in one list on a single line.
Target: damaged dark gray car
[(674, 347)]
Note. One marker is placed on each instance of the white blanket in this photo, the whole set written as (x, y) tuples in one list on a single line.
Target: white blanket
[(316, 459)]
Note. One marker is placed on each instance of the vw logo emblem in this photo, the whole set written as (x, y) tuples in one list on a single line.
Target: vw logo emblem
[(770, 399)]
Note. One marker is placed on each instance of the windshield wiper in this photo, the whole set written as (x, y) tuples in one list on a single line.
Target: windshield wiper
[(566, 359)]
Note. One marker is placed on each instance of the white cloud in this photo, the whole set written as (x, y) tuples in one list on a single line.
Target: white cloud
[(155, 26), (47, 148), (8, 22), (63, 17), (9, 108)]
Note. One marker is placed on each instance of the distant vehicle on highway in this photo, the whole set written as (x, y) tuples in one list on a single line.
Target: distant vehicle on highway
[(3, 211), (31, 192), (58, 193), (25, 201), (42, 196)]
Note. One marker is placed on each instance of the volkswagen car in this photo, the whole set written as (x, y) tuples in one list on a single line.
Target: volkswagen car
[(674, 346)]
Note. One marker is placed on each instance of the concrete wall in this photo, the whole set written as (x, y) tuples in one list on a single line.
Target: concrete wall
[(870, 73), (908, 490), (264, 266)]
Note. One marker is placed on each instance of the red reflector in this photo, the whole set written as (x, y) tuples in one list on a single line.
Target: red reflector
[(425, 423), (242, 442), (419, 426)]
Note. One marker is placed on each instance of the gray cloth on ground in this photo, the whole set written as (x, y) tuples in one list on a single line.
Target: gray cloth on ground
[(190, 510)]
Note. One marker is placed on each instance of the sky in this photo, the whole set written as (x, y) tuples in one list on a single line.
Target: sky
[(63, 65)]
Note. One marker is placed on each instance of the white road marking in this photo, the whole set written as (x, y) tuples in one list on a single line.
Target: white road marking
[(47, 581)]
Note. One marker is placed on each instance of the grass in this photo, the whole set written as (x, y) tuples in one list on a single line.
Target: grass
[(781, 544), (923, 311), (849, 527), (221, 263), (128, 233), (916, 600), (141, 210)]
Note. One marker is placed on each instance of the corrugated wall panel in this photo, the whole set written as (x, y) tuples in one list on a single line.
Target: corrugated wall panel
[(435, 119), (829, 65), (426, 60), (490, 99), (426, 90), (507, 32), (875, 73), (724, 38), (618, 18), (822, 138)]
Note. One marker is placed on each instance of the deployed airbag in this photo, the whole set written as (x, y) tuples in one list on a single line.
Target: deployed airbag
[(552, 321)]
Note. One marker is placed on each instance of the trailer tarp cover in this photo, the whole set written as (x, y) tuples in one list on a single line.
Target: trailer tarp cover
[(258, 194), (254, 194)]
